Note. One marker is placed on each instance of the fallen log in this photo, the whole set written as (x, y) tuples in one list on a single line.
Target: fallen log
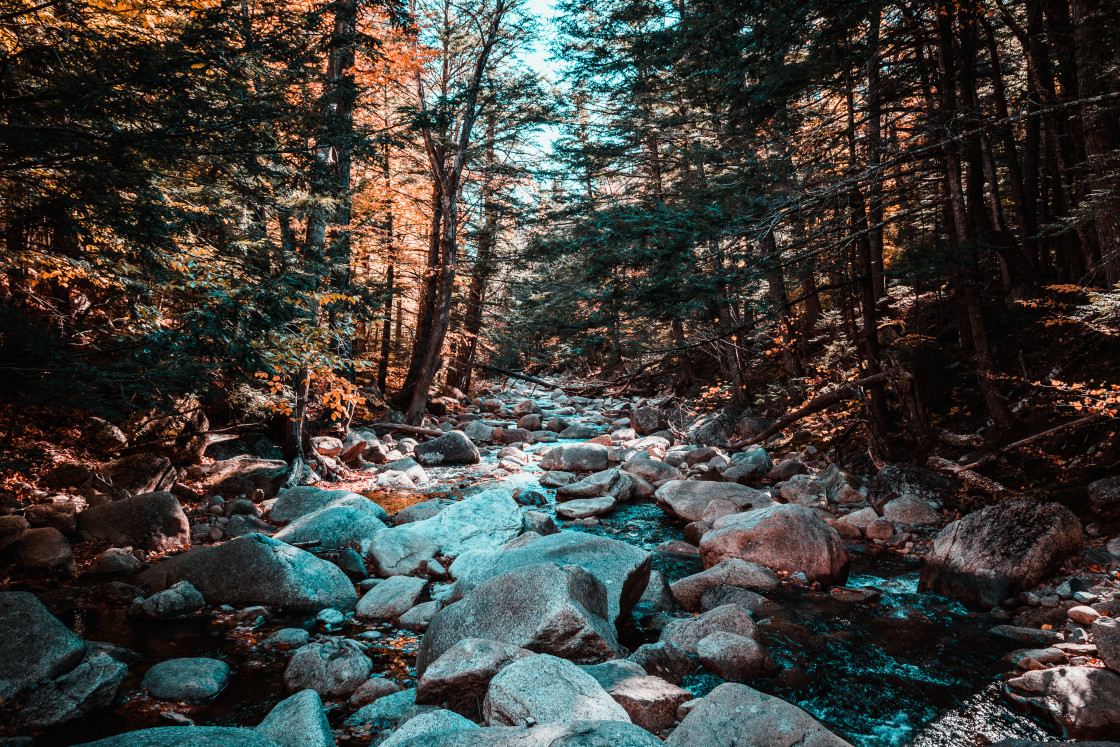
[(821, 402), (515, 375), (991, 456)]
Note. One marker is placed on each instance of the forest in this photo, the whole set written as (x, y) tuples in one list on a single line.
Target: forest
[(559, 372)]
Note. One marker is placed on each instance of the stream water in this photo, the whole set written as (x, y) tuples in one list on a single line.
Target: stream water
[(909, 668)]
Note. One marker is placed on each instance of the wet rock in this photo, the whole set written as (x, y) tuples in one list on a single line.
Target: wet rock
[(391, 598), (115, 561), (454, 447), (11, 527), (1083, 701), (556, 479), (459, 678), (1104, 497), (420, 511), (371, 690), (585, 508), (298, 721), (731, 572), (90, 686), (664, 659), (993, 554), (1106, 634), (840, 487), (718, 596), (196, 736), (153, 521), (805, 491), (484, 521), (575, 458), (910, 509), (334, 668), (181, 599), (734, 714), (611, 483), (45, 549), (564, 734), (688, 499), (255, 569), (621, 568), (732, 657), (880, 529), (334, 526), (547, 608), (687, 632), (399, 552), (388, 713), (748, 466), (287, 638), (545, 689), (579, 430), (1027, 636), (783, 538), (426, 723), (477, 431), (897, 480), (192, 680), (540, 523), (139, 473), (245, 474)]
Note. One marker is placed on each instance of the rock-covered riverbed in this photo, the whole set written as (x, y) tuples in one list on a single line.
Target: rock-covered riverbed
[(557, 570)]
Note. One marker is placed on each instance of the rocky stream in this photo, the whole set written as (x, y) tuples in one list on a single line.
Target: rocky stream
[(555, 570)]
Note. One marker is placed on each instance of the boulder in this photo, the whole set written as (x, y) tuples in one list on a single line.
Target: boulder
[(910, 509), (36, 645), (193, 680), (710, 430), (153, 521), (562, 734), (245, 475), (103, 437), (11, 527), (301, 501), (733, 715), (459, 678), (840, 486), (545, 689), (804, 491), (649, 469), (1104, 497), (687, 632), (993, 554), (787, 538), (897, 480), (733, 657), (388, 713), (1083, 701), (621, 568), (546, 608), (648, 420), (298, 721), (689, 590), (334, 668), (576, 458), (195, 736), (688, 499), (1106, 634), (585, 508), (454, 447), (371, 690), (139, 473), (45, 549), (664, 659), (181, 599), (334, 527), (391, 598), (649, 701), (612, 483), (486, 520), (116, 561), (90, 686), (477, 431), (399, 552), (255, 569), (420, 511), (579, 430), (436, 721)]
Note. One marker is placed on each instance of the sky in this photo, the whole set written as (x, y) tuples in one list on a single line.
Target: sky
[(538, 59)]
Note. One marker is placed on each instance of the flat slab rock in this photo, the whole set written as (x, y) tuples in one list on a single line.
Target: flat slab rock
[(196, 736), (688, 499), (545, 689), (567, 734), (1083, 701)]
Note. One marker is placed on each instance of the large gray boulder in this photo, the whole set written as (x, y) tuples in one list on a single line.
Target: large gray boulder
[(298, 721), (612, 482), (687, 499), (546, 608), (139, 473), (245, 475), (649, 469), (36, 645), (737, 572), (1104, 497), (451, 448), (484, 521), (195, 736), (686, 632), (564, 734), (576, 458), (898, 480), (992, 554), (45, 548), (787, 538), (1083, 701), (391, 598), (735, 715), (544, 690), (622, 568), (400, 552), (459, 678), (648, 420), (153, 521), (90, 686), (333, 668), (255, 569), (650, 701), (305, 499), (193, 680), (438, 720), (333, 527)]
